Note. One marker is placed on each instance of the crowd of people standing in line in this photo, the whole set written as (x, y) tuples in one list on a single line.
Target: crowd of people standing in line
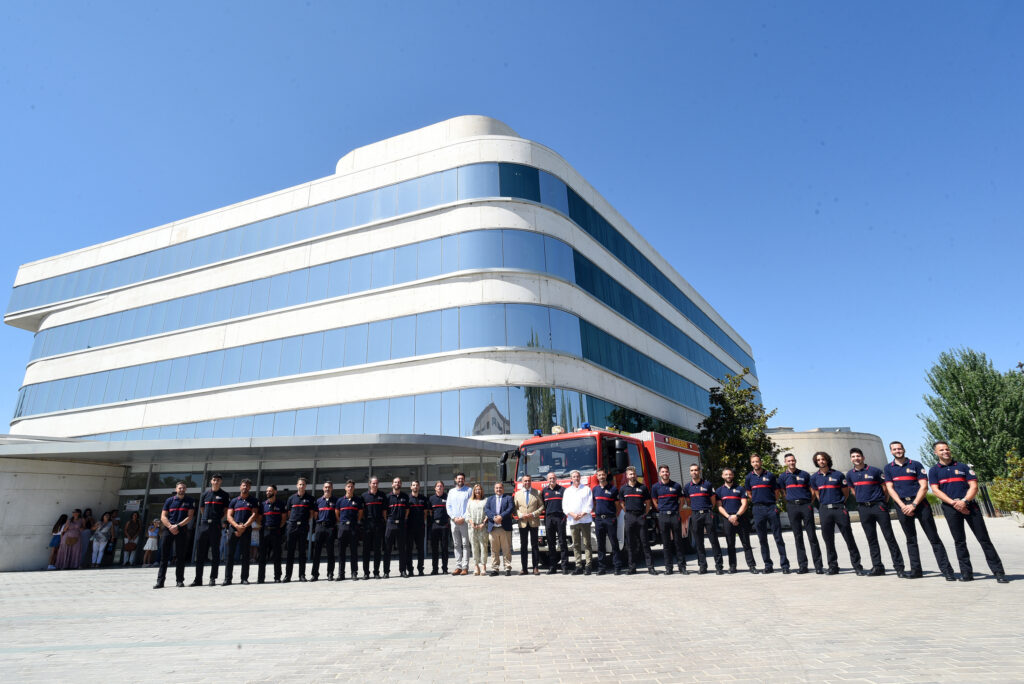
[(84, 541)]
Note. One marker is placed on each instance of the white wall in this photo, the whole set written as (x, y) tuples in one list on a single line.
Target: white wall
[(34, 493), (804, 445)]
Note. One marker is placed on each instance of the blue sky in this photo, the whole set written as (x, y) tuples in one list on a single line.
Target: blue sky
[(842, 182)]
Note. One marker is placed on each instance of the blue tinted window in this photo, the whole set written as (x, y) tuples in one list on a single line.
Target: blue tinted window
[(179, 374), (559, 259), (450, 254), (378, 347), (403, 337), (408, 196), (482, 326), (375, 420), (484, 411), (161, 377), (478, 180), (360, 273), (355, 345), (232, 368), (105, 387), (128, 383), (431, 190), (298, 282), (428, 258), (318, 277), (553, 192), (480, 249), (284, 424), (344, 213), (241, 295), (263, 425), (328, 420), (527, 325), (337, 280), (251, 354), (194, 375), (565, 332), (278, 292), (144, 382), (450, 414), (519, 181), (305, 422), (186, 431), (203, 429), (449, 329), (223, 428), (428, 414), (523, 250), (242, 426), (214, 368), (260, 298), (334, 348), (352, 418), (400, 415), (291, 355), (270, 359), (312, 352), (305, 224), (364, 208), (405, 263), (383, 268), (189, 312), (384, 203), (428, 333)]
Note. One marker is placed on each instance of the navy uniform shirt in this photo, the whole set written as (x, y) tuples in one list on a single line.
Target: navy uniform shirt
[(699, 495), (348, 510), (905, 478), (604, 499), (952, 479), (178, 509), (439, 509), (867, 484), (829, 486), (762, 487), (273, 513), (667, 496), (634, 498), (417, 507), (796, 485), (300, 508), (552, 499), (213, 505), (325, 514), (398, 507), (244, 508), (731, 498), (373, 504)]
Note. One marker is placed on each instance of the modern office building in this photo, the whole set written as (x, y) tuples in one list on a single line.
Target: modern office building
[(835, 441), (438, 297)]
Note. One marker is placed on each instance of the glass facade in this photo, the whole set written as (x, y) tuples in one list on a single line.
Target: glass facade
[(486, 325), (474, 181), (477, 411)]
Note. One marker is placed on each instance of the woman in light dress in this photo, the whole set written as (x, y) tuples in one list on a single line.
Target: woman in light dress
[(477, 521), (69, 556)]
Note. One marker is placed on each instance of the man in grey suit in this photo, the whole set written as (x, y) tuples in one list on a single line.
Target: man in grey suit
[(498, 511)]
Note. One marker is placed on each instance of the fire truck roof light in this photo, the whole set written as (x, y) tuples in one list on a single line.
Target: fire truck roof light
[(538, 432), (586, 426)]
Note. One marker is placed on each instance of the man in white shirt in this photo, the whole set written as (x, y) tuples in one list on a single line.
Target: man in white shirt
[(458, 497), (578, 504)]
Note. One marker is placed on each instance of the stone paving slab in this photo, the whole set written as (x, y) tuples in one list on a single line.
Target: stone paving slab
[(109, 625)]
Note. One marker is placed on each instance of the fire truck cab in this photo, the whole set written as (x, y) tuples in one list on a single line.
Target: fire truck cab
[(589, 449)]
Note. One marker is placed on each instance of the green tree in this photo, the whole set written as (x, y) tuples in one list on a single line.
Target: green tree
[(1007, 492), (975, 408), (736, 428)]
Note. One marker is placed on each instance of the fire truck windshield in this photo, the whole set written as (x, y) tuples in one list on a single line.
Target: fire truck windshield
[(559, 457)]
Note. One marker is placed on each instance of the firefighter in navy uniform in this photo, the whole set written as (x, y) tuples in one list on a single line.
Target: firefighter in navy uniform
[(666, 494), (763, 489), (350, 515), (243, 511), (636, 502), (373, 527), (301, 505), (397, 503), (416, 530), (868, 488), (271, 534), (439, 532), (829, 487), (606, 521), (732, 505), (907, 483), (212, 507), (796, 484), (701, 496), (324, 531), (175, 518), (554, 525), (956, 485)]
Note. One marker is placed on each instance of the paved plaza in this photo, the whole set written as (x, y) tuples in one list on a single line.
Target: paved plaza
[(110, 626)]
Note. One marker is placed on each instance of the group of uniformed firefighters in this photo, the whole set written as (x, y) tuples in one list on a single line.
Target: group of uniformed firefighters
[(380, 521)]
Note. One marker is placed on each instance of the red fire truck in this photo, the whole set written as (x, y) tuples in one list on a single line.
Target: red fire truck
[(588, 449)]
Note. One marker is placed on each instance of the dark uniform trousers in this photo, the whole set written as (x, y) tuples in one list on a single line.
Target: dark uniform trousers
[(373, 537), (234, 541), (922, 514), (742, 528), (394, 536), (529, 537), (415, 536), (801, 521), (701, 524), (323, 538), (833, 516), (176, 544), (207, 541), (295, 539), (607, 527), (766, 518), (877, 514), (270, 549), (554, 531), (440, 533), (635, 538), (672, 538), (955, 519), (348, 540)]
